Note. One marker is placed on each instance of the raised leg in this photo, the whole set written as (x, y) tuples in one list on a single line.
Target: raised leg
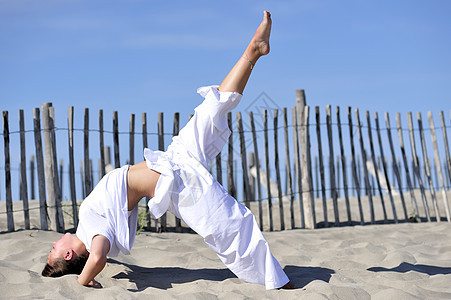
[(237, 78)]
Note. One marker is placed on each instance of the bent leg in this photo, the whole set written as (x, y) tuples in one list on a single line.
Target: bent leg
[(227, 226)]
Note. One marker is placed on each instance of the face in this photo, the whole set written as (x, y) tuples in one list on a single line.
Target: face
[(62, 248)]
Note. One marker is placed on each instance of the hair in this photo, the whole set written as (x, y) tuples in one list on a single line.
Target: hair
[(63, 267)]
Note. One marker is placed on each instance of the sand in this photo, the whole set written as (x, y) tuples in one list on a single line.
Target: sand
[(385, 261)]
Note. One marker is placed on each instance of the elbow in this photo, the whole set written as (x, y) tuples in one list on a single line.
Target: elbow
[(98, 259)]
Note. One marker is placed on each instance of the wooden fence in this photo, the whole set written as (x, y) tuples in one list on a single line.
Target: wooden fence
[(323, 171)]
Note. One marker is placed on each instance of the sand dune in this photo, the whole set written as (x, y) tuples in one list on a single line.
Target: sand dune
[(385, 261)]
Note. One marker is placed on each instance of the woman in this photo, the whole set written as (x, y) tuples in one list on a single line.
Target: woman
[(177, 180)]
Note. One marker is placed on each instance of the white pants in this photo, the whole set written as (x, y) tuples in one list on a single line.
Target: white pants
[(227, 226)]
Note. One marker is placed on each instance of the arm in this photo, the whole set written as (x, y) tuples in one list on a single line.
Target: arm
[(96, 262)]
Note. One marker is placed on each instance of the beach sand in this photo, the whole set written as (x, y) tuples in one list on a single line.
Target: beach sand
[(384, 261)]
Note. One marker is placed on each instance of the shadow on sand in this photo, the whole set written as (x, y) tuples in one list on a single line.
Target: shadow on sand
[(406, 267), (165, 277)]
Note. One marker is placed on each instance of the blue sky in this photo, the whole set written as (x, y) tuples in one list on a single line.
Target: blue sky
[(135, 56), (150, 56)]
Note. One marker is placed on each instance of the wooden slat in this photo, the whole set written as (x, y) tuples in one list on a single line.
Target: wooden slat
[(144, 136), (343, 167), (332, 176), (447, 167), (32, 177), (365, 169), (117, 162), (23, 170), (246, 187), (321, 165), (163, 221), (132, 140), (310, 210), (102, 170), (416, 167), (268, 180), (277, 167), (257, 167), (59, 208), (397, 174), (70, 132), (40, 169), (427, 168), (88, 179), (9, 198), (438, 165), (175, 132), (376, 170), (288, 167), (385, 168), (230, 180), (297, 163), (355, 175)]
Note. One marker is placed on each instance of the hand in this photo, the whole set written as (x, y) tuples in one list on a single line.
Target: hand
[(94, 284)]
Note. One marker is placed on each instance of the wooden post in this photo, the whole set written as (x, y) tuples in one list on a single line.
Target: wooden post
[(277, 167), (32, 180), (385, 168), (343, 167), (427, 168), (297, 163), (332, 176), (132, 140), (49, 167), (376, 170), (321, 165), (117, 163), (445, 142), (246, 192), (40, 169), (230, 181), (257, 167), (396, 169), (416, 167), (9, 198), (268, 180), (23, 170), (101, 145), (365, 169), (161, 148), (302, 117), (439, 165), (73, 197), (288, 167)]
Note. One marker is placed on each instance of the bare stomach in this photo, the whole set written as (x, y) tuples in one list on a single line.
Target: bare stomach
[(141, 182)]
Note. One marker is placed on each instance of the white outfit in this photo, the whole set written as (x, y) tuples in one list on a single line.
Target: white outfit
[(189, 191), (105, 212)]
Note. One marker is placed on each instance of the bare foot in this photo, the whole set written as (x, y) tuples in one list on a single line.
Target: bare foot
[(259, 44)]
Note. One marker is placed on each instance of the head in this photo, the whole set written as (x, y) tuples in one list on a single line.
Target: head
[(68, 256)]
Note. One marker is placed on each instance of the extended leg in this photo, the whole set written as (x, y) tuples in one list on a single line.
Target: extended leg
[(237, 78)]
